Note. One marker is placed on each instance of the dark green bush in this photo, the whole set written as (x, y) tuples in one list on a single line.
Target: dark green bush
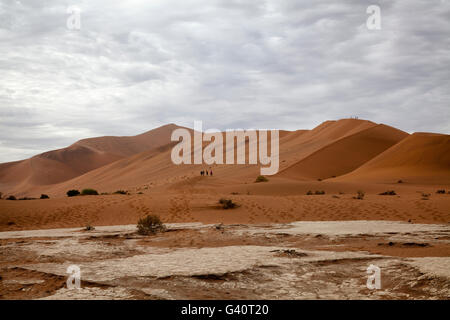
[(89, 192), (441, 191), (309, 193), (73, 193), (121, 192), (261, 179), (360, 195), (150, 224), (227, 203), (319, 192), (44, 196), (388, 193), (11, 198)]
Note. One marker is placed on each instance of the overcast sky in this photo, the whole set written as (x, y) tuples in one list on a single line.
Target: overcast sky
[(135, 65)]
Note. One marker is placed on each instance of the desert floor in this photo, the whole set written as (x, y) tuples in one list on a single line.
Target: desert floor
[(278, 244)]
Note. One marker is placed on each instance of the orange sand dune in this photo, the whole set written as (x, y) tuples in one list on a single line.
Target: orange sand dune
[(420, 158), (83, 156), (346, 154)]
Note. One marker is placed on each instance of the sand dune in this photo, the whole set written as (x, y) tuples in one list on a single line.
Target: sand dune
[(420, 158), (83, 156), (359, 150), (346, 154)]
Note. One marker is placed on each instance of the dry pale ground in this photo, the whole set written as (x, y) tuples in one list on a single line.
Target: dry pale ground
[(301, 260)]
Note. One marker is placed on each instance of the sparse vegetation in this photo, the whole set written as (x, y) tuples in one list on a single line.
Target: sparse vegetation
[(227, 203), (44, 196), (319, 179), (121, 192), (11, 198), (400, 181), (442, 191), (89, 228), (27, 198), (89, 192), (1, 194), (317, 192), (425, 196), (360, 195), (388, 193), (73, 193), (150, 224), (261, 179)]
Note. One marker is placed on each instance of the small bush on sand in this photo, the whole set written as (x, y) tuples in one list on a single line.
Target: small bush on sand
[(425, 196), (1, 194), (89, 228), (150, 224), (27, 198), (121, 192), (261, 179), (318, 192), (309, 193), (442, 191), (388, 193), (89, 192), (44, 196), (227, 203), (73, 193), (11, 198), (360, 195), (400, 181)]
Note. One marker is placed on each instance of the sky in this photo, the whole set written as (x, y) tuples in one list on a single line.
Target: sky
[(76, 69)]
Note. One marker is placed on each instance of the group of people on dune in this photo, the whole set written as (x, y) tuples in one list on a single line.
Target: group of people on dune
[(203, 172)]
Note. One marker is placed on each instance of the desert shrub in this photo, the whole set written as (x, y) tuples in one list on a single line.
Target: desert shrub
[(400, 181), (44, 196), (441, 191), (73, 193), (89, 228), (89, 192), (320, 179), (227, 203), (11, 198), (360, 195), (319, 192), (1, 194), (121, 192), (309, 193), (261, 179), (27, 198), (150, 224), (425, 196), (388, 193)]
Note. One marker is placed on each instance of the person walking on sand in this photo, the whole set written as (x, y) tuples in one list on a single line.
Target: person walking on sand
[(210, 173), (201, 172), (206, 172)]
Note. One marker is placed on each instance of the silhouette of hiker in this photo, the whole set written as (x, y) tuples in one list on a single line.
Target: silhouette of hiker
[(202, 173), (210, 173), (206, 172)]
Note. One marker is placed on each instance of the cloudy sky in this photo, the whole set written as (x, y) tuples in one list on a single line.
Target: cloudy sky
[(134, 65)]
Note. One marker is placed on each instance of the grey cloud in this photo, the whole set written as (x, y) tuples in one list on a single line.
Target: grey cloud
[(247, 64)]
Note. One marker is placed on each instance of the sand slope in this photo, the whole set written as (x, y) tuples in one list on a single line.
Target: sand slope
[(346, 154), (83, 156), (420, 158)]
